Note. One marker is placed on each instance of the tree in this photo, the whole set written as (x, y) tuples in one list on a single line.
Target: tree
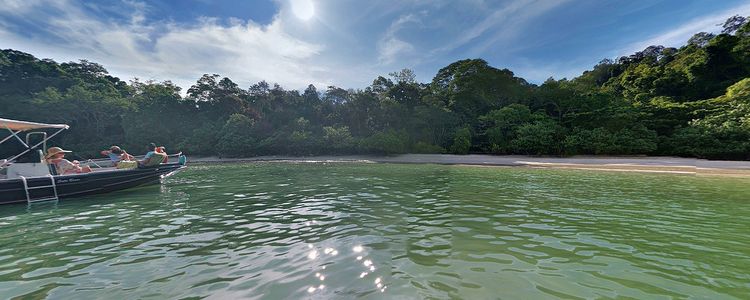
[(691, 101), (338, 139), (235, 139), (472, 88), (537, 138), (733, 24), (461, 141), (386, 142), (501, 125), (701, 39), (406, 76)]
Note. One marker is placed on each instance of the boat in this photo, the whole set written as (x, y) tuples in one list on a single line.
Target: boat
[(27, 178)]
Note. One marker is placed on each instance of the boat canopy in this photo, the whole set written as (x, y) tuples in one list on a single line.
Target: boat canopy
[(15, 127), (24, 125)]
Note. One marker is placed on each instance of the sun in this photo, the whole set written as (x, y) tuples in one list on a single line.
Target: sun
[(303, 9)]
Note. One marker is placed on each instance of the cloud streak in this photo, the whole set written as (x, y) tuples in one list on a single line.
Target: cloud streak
[(390, 47), (504, 23)]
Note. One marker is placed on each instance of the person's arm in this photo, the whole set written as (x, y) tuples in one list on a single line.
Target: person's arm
[(127, 156), (105, 152), (66, 167)]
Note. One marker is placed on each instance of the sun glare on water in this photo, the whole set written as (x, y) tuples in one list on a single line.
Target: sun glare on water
[(303, 9)]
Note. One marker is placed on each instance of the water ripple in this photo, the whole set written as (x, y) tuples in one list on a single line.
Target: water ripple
[(325, 230)]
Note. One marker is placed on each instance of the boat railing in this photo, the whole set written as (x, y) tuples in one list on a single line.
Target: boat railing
[(107, 163)]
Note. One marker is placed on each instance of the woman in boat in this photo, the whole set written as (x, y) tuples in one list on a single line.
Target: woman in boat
[(56, 157)]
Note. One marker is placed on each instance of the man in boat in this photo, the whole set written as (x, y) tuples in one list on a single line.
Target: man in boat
[(153, 157), (56, 157)]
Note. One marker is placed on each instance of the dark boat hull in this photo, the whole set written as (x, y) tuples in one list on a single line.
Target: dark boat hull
[(74, 185)]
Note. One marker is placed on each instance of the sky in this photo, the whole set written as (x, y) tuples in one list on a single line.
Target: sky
[(348, 43)]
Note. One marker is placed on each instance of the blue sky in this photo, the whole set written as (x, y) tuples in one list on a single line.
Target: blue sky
[(348, 43)]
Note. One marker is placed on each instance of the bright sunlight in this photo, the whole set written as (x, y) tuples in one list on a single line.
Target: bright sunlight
[(303, 9)]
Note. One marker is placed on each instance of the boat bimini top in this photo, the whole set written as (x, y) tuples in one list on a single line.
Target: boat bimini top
[(16, 127)]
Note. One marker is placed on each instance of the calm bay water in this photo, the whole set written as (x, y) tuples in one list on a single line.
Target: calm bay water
[(341, 230)]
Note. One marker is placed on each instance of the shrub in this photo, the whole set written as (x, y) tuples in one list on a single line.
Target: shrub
[(636, 140), (712, 143), (386, 142), (536, 138), (338, 139), (461, 141), (235, 139), (594, 141), (422, 147)]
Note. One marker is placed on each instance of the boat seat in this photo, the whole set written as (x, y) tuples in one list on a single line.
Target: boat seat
[(28, 170), (155, 161), (33, 156)]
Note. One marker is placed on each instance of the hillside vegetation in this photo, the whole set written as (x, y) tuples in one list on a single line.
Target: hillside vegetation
[(692, 101)]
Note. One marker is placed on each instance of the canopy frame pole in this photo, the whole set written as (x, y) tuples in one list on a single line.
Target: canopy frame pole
[(10, 136), (14, 134), (10, 160)]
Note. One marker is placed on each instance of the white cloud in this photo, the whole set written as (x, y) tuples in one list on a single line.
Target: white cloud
[(390, 47), (511, 21), (244, 51), (18, 6), (679, 36), (505, 23)]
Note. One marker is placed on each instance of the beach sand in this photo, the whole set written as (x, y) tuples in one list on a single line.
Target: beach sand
[(649, 164)]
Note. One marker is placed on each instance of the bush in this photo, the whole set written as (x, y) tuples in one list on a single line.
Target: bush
[(499, 140), (386, 142), (637, 140), (584, 141), (235, 139), (338, 139), (709, 143), (461, 141), (536, 138), (302, 142), (422, 147), (202, 140)]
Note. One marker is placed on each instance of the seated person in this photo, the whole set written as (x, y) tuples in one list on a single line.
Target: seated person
[(56, 156), (152, 158), (163, 150), (116, 154)]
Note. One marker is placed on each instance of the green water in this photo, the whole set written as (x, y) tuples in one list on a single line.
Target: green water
[(322, 231)]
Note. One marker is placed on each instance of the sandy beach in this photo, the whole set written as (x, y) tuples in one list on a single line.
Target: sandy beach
[(650, 164)]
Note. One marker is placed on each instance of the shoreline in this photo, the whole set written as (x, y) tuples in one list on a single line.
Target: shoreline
[(644, 164)]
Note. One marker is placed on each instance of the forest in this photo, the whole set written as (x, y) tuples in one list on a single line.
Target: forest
[(693, 102)]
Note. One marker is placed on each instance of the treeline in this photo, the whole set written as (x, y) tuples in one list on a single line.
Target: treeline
[(691, 101)]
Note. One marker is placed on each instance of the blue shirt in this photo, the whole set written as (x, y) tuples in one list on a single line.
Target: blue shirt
[(148, 155), (114, 157)]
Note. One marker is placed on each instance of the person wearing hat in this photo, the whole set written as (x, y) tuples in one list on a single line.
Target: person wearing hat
[(116, 154), (56, 157)]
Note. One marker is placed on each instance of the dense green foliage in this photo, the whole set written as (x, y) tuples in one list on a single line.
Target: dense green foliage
[(691, 101)]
